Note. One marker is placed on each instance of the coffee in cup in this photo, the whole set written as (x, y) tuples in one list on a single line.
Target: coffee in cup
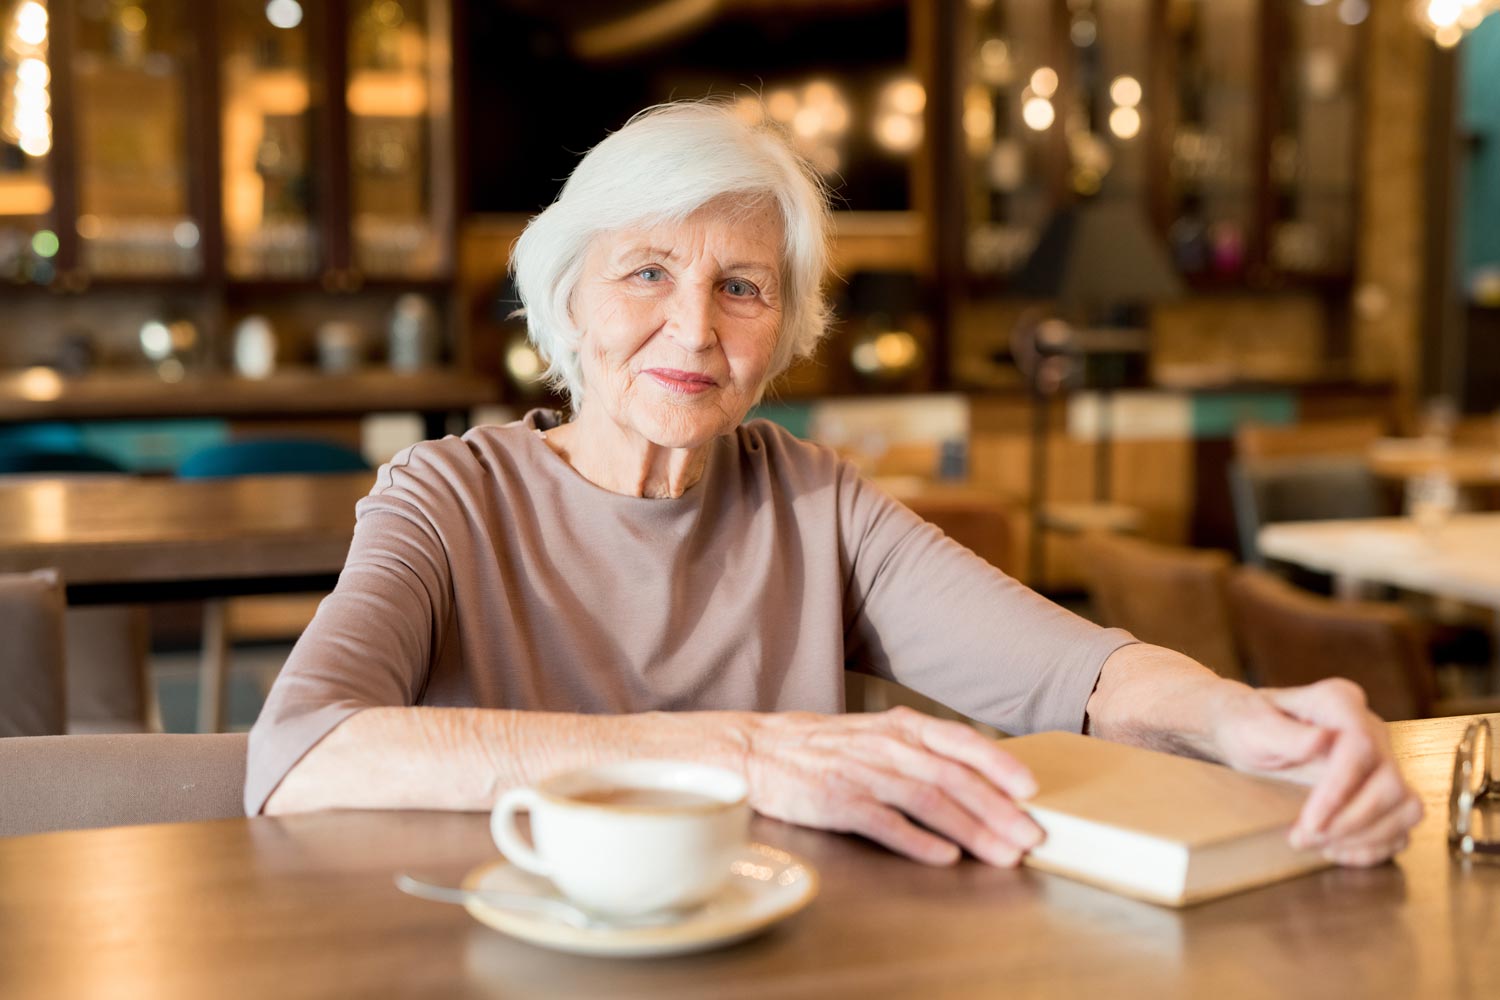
[(630, 838)]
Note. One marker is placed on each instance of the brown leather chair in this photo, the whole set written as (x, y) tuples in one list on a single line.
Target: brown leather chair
[(1165, 595), (976, 519), (80, 782), (1289, 637), (33, 688)]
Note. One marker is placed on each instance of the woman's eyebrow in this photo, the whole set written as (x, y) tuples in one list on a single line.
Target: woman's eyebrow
[(638, 252), (751, 265)]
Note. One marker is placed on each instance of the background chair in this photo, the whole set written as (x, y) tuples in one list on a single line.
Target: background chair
[(1261, 442), (1313, 470), (1301, 489), (1289, 636), (271, 457), (1165, 595), (81, 782), (108, 667), (33, 692), (24, 460), (259, 457), (106, 652)]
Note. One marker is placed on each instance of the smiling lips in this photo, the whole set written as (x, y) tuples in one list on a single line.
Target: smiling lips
[(674, 380)]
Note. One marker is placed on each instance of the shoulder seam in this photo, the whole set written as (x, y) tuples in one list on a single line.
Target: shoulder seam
[(410, 451)]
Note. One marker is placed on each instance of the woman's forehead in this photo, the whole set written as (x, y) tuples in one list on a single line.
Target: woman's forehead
[(731, 235)]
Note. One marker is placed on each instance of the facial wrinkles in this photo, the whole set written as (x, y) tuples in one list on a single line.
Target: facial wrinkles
[(684, 314), (695, 264)]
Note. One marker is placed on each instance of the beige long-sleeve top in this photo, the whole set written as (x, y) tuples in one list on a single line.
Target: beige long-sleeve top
[(486, 572)]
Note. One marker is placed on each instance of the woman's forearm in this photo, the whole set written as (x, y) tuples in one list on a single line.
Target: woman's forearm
[(1154, 697), (463, 758)]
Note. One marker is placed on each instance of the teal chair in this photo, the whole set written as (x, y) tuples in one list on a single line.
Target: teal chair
[(255, 457), (28, 460), (272, 457)]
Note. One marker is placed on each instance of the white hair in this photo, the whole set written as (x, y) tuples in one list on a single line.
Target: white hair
[(667, 162)]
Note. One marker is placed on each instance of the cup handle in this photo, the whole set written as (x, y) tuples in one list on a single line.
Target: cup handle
[(508, 838)]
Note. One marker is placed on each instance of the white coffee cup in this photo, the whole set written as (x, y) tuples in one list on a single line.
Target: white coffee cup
[(632, 837)]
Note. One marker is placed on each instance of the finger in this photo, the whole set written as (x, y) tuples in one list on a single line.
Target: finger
[(1334, 702), (1366, 856), (889, 828), (1354, 757), (969, 789), (961, 743), (934, 808), (1284, 742), (1394, 824), (1377, 799)]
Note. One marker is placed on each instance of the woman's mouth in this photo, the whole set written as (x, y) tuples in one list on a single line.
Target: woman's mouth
[(675, 380)]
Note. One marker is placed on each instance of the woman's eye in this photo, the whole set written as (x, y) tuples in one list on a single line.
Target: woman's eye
[(740, 288), (651, 274)]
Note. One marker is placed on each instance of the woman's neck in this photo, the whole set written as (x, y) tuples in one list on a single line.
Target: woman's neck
[(621, 461)]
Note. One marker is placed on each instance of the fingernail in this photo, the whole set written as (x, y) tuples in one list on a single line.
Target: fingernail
[(1303, 838), (1024, 832), (999, 853), (1024, 787)]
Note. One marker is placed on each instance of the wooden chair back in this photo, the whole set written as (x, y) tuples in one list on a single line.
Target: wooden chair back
[(1290, 637), (1352, 436), (1165, 595)]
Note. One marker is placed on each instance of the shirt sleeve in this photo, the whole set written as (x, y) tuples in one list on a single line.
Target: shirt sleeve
[(374, 638), (925, 612)]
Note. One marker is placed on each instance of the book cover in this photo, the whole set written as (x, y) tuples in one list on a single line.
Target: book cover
[(1168, 829)]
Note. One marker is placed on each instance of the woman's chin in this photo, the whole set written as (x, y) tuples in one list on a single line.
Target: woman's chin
[(682, 427)]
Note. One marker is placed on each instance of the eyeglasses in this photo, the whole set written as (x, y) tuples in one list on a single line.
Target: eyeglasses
[(1470, 825)]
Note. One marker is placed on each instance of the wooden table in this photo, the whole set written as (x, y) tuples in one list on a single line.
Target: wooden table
[(129, 539), (304, 906), (39, 394), (1460, 560)]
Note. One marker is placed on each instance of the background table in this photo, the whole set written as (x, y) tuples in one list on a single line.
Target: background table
[(304, 906), (124, 539), (1461, 559)]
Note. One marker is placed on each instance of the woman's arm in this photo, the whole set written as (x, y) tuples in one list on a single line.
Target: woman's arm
[(463, 758), (1322, 735), (868, 774), (921, 786)]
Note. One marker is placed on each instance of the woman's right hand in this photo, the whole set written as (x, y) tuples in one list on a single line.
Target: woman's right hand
[(923, 787)]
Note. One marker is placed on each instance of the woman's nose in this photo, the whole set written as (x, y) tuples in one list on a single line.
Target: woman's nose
[(693, 320)]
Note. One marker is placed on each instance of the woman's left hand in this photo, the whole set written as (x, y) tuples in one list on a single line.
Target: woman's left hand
[(1324, 735)]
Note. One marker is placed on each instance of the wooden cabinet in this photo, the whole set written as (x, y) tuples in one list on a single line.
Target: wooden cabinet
[(1231, 123), (214, 160)]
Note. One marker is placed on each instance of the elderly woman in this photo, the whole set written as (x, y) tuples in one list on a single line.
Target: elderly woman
[(655, 578)]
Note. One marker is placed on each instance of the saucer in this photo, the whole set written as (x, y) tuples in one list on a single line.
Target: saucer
[(768, 885)]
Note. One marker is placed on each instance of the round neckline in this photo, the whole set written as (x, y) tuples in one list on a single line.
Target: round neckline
[(689, 495)]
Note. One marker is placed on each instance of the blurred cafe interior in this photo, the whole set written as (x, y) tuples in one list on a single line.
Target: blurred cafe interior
[(1142, 274), (1132, 296)]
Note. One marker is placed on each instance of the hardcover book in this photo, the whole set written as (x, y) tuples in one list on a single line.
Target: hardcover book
[(1166, 829)]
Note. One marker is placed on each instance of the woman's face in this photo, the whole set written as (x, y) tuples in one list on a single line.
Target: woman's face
[(678, 322)]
